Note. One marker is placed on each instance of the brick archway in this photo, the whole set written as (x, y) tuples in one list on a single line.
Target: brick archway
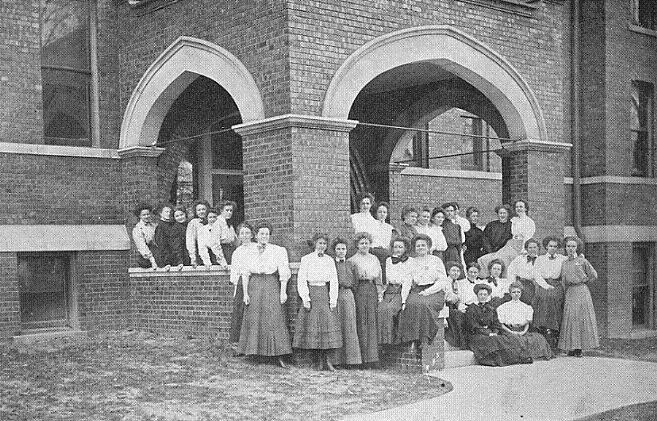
[(454, 51), (178, 66)]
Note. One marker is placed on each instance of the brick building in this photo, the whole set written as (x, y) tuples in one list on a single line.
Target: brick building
[(285, 106)]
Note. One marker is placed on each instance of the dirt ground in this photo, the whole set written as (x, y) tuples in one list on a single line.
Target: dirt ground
[(139, 376)]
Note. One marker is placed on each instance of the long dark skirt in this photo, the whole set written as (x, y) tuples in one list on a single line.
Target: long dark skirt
[(388, 315), (367, 301), (579, 329), (264, 331), (439, 254), (535, 344), (455, 334), (528, 291), (548, 305), (228, 249), (419, 320), (143, 262), (237, 315), (498, 350), (453, 254), (381, 254), (317, 328), (349, 353)]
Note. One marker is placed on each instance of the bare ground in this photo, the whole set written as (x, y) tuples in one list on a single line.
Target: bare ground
[(140, 376)]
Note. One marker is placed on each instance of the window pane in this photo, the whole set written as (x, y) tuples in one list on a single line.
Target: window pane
[(227, 151), (42, 289), (229, 187), (65, 33), (66, 107)]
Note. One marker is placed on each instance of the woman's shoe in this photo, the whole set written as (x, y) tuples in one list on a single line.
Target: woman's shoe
[(281, 363)]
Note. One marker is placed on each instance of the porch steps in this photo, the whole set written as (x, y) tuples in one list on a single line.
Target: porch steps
[(455, 357), (32, 336)]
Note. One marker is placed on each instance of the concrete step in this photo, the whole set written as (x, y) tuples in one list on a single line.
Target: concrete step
[(459, 358), (37, 335)]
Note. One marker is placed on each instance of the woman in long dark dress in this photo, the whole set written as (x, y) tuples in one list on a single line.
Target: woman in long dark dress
[(515, 318), (399, 269), (489, 346), (406, 228), (164, 238), (369, 291), (474, 237), (579, 329), (264, 283), (317, 326), (179, 230), (241, 258), (349, 353), (423, 297), (497, 233), (453, 237)]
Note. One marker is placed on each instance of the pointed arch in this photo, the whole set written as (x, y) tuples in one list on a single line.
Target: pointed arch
[(455, 52), (182, 62)]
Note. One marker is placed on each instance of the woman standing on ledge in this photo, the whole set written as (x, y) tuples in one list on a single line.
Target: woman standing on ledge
[(369, 292), (264, 284), (317, 325), (579, 329)]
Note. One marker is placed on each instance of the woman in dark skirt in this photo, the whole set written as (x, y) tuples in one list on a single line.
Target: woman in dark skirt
[(515, 317), (489, 346), (264, 283), (399, 269), (369, 291), (349, 353), (424, 297), (317, 326), (474, 237), (227, 236), (548, 302), (579, 329), (455, 334), (242, 256), (178, 237)]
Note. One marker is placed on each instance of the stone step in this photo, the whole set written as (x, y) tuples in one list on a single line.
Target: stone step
[(37, 335), (459, 358)]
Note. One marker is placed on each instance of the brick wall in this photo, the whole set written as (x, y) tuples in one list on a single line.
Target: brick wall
[(20, 72), (9, 301)]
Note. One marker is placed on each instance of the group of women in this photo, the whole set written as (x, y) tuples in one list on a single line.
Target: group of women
[(398, 287)]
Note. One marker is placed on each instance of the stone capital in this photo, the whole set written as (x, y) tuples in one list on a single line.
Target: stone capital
[(294, 120), (533, 145), (140, 151)]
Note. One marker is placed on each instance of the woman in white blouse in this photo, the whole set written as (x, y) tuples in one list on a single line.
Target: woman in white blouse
[(438, 242), (399, 269), (143, 234), (264, 284), (363, 221), (423, 296), (368, 293), (227, 234), (317, 326), (522, 226), (209, 240), (515, 318), (241, 257), (381, 235)]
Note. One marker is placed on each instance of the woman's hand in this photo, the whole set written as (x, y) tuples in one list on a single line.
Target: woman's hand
[(333, 306), (306, 305), (403, 307), (283, 297), (424, 293), (246, 299)]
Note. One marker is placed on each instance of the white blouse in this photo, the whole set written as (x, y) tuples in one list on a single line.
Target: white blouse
[(521, 267), (142, 234), (438, 242), (523, 228), (549, 268), (427, 270), (399, 273), (465, 226), (268, 260), (381, 234), (317, 271), (241, 257), (364, 222), (209, 239), (501, 288), (466, 292), (191, 237), (227, 233), (515, 313)]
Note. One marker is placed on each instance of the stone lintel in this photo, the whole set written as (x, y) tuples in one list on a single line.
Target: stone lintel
[(294, 120), (140, 151)]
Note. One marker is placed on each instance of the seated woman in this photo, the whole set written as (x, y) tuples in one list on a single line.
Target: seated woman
[(523, 269), (522, 226), (317, 326), (498, 232), (423, 297), (455, 333), (515, 317), (143, 234), (506, 254), (399, 271), (474, 237), (406, 228), (499, 285), (484, 338)]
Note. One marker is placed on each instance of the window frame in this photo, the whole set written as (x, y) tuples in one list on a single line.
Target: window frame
[(636, 14), (648, 130), (648, 249)]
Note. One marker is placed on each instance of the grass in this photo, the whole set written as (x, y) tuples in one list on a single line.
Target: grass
[(139, 376)]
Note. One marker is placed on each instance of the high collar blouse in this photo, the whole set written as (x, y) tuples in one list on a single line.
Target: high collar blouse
[(522, 267), (227, 233), (316, 270), (191, 236), (363, 222), (268, 260), (143, 234), (464, 224), (500, 286), (241, 257), (523, 228), (466, 290), (399, 273), (427, 270), (366, 267), (381, 234), (577, 270), (549, 267), (515, 313)]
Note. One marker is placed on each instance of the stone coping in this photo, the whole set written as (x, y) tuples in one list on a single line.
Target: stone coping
[(55, 150), (435, 172), (190, 272), (62, 238)]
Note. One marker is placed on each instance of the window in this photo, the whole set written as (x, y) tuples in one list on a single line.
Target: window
[(475, 144), (421, 149), (43, 286), (645, 13), (642, 285), (66, 71), (641, 115)]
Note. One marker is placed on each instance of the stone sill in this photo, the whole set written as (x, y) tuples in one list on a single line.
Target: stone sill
[(189, 272), (643, 333), (53, 150), (641, 30), (612, 179), (517, 7), (435, 172)]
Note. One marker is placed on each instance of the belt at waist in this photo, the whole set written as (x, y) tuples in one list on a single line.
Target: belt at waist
[(393, 288), (315, 284), (416, 287), (524, 279), (365, 280), (344, 287)]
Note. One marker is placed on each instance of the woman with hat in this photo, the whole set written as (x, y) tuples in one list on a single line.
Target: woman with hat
[(515, 318), (317, 325), (489, 346), (423, 297)]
